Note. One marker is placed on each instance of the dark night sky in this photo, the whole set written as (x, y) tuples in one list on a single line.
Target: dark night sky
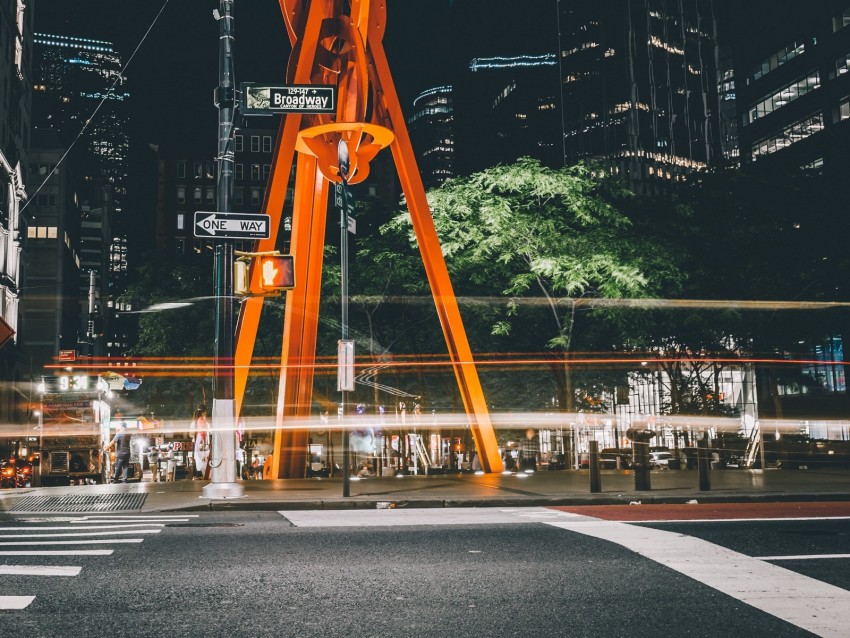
[(173, 75)]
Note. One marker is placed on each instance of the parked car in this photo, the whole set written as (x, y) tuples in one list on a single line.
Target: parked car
[(660, 460), (608, 458)]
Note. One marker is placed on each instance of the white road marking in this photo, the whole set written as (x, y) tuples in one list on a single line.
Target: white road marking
[(399, 517), (130, 517), (41, 529), (59, 552), (15, 602), (815, 606), (99, 541), (803, 557), (38, 570), (118, 531), (126, 521), (740, 520)]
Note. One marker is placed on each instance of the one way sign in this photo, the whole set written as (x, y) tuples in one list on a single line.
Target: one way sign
[(231, 225)]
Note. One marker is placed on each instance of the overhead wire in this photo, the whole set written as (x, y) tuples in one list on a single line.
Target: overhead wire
[(91, 117)]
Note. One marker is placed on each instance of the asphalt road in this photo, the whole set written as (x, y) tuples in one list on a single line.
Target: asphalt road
[(475, 572)]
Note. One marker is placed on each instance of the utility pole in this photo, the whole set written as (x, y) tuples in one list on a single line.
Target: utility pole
[(343, 162), (223, 431)]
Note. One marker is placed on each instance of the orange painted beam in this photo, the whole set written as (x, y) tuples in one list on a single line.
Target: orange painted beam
[(435, 267), (301, 320), (251, 309)]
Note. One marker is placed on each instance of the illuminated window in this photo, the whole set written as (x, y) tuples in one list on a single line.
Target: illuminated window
[(255, 171), (778, 59), (196, 195), (181, 221), (790, 135), (786, 94)]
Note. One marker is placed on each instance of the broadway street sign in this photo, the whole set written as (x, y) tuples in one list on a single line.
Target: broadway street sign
[(231, 225), (290, 98)]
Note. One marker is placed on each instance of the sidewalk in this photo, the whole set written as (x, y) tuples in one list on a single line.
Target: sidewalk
[(464, 490)]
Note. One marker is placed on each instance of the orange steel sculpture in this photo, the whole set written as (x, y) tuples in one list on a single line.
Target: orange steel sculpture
[(346, 50)]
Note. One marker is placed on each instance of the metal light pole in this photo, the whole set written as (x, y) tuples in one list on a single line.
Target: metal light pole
[(342, 156), (223, 431)]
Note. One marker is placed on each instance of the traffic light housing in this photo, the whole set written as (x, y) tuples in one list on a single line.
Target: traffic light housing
[(276, 273)]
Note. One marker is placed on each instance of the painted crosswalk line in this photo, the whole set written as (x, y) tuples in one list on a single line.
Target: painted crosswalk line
[(78, 534), (813, 605), (58, 552), (99, 541), (78, 528), (9, 603), (38, 570)]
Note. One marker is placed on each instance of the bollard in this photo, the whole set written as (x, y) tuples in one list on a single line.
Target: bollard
[(593, 464), (641, 465), (702, 465), (639, 435)]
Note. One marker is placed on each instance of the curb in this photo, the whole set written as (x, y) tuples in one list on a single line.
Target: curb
[(245, 505)]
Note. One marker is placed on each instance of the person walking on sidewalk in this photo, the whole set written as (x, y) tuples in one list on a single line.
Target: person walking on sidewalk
[(121, 443), (153, 461)]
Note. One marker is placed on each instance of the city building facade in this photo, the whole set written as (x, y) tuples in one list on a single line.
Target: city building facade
[(640, 87), (793, 88), (16, 33), (432, 134), (80, 93)]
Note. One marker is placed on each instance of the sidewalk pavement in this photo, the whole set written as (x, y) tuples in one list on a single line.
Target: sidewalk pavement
[(463, 490)]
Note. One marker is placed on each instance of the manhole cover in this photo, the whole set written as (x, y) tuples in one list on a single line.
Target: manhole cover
[(80, 503)]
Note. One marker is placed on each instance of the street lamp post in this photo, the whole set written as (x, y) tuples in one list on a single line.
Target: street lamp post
[(343, 161), (223, 432)]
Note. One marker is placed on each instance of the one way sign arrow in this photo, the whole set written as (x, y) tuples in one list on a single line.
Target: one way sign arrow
[(231, 225)]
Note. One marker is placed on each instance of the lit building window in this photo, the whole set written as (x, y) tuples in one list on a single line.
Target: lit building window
[(786, 94), (778, 59), (790, 135)]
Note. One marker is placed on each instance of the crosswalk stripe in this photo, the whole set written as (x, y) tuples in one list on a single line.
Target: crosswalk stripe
[(58, 552), (99, 541), (15, 602), (130, 517), (119, 531), (151, 521), (38, 570), (41, 529), (803, 557), (816, 606)]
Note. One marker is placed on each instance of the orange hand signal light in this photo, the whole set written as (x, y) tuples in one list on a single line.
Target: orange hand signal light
[(277, 272)]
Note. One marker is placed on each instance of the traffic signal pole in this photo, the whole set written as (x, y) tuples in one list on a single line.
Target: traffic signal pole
[(223, 428), (343, 162)]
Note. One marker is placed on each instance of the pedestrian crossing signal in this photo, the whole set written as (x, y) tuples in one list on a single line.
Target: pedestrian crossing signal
[(277, 272)]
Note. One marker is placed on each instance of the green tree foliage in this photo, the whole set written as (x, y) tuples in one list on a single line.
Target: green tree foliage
[(538, 237)]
